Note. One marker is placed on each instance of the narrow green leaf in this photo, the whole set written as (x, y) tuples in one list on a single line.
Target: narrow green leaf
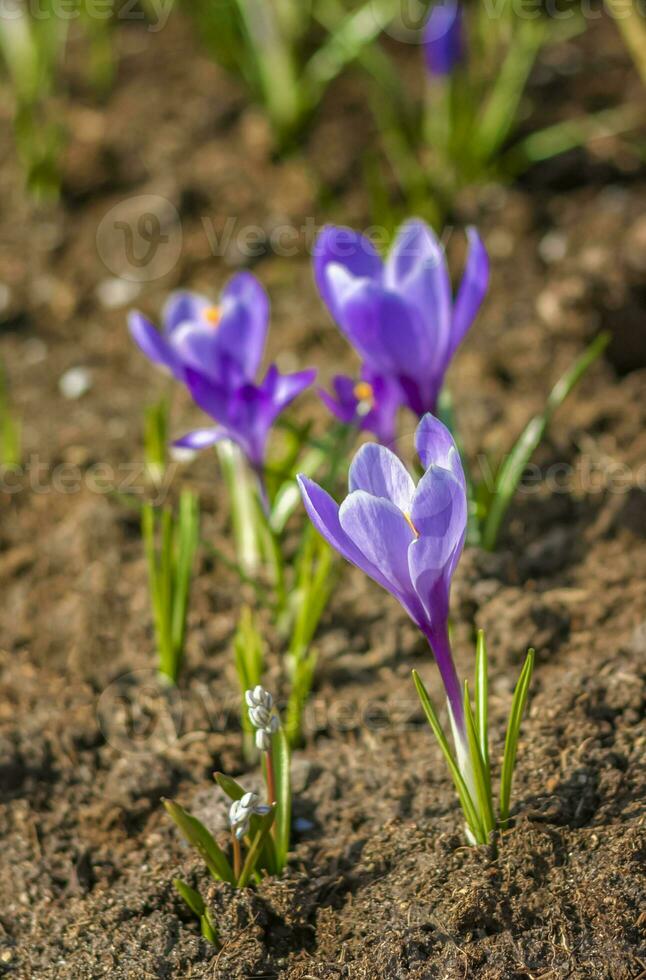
[(511, 741), (288, 497), (187, 536), (482, 699), (281, 758), (229, 785), (480, 773), (514, 466), (192, 897), (466, 802), (208, 930), (254, 852), (196, 834), (345, 43)]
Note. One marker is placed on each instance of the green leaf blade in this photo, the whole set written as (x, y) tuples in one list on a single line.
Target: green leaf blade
[(511, 741), (196, 834), (281, 759), (469, 810)]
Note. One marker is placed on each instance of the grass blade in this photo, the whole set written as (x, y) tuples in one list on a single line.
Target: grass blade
[(192, 897), (281, 762), (480, 770), (514, 465), (196, 834), (482, 699), (468, 807), (511, 740), (255, 850)]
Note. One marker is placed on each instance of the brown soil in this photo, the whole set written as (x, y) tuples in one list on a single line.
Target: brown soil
[(380, 884)]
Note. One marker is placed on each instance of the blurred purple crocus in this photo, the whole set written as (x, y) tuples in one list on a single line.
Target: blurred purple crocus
[(211, 338), (370, 403), (408, 539), (400, 315), (443, 38), (245, 412)]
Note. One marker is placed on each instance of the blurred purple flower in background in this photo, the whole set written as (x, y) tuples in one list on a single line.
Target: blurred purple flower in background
[(408, 539), (400, 315), (443, 37), (215, 339), (245, 412), (370, 403), (216, 351)]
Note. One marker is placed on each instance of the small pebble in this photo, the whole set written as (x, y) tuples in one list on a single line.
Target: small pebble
[(114, 293), (5, 297), (553, 247), (75, 383)]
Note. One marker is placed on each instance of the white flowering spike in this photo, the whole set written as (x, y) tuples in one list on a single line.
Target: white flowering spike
[(260, 704), (259, 698), (242, 810)]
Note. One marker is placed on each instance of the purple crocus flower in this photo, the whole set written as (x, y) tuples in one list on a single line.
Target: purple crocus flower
[(444, 38), (371, 403), (245, 412), (408, 539), (400, 315), (213, 339)]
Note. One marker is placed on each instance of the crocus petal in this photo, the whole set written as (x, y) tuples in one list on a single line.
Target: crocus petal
[(443, 39), (382, 534), (287, 387), (381, 473), (439, 511), (212, 398), (342, 410), (323, 512), (435, 444), (198, 347), (200, 439), (152, 343), (472, 291), (417, 270), (242, 331), (183, 307), (351, 251), (385, 330)]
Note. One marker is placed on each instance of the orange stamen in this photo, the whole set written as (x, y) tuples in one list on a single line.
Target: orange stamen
[(412, 526), (364, 392), (213, 315)]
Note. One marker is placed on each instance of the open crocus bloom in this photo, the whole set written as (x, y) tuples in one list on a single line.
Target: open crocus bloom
[(443, 37), (408, 539), (215, 339), (371, 403), (245, 412), (400, 315)]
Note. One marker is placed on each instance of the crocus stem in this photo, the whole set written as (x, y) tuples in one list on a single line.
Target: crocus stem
[(271, 781), (237, 858), (441, 647), (243, 506)]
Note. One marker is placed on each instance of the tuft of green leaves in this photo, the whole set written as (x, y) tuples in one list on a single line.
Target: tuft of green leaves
[(514, 465), (477, 800), (171, 543), (10, 428)]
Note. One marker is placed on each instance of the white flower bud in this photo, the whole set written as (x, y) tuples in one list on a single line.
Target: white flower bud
[(260, 704), (241, 811), (259, 698)]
